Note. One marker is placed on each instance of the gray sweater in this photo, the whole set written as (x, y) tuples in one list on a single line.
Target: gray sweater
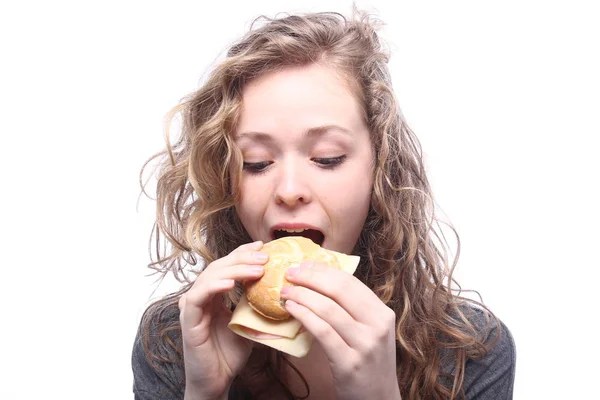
[(489, 378)]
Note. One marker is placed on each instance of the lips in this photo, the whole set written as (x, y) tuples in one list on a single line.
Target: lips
[(308, 232)]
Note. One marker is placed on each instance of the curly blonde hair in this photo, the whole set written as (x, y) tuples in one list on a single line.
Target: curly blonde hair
[(404, 254)]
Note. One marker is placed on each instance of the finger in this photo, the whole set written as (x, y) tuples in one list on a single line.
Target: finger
[(193, 313), (331, 342), (239, 272), (244, 263), (249, 246), (246, 254), (209, 283), (344, 289), (328, 310)]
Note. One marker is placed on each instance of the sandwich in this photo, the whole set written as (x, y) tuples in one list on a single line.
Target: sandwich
[(261, 315)]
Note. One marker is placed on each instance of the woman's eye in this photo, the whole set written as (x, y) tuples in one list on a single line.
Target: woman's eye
[(256, 167), (329, 162)]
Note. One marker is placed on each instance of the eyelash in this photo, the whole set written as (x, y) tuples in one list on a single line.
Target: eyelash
[(257, 167), (329, 163), (325, 163)]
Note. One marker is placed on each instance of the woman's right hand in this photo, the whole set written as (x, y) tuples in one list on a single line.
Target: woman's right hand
[(213, 354)]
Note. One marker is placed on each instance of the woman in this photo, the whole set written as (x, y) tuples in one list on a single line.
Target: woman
[(298, 128)]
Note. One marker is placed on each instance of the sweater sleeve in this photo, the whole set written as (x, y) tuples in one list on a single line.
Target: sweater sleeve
[(149, 383), (163, 378), (159, 375), (492, 378)]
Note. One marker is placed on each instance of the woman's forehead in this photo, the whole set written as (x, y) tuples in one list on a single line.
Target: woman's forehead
[(311, 99)]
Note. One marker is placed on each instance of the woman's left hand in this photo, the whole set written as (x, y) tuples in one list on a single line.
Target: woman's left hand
[(355, 329)]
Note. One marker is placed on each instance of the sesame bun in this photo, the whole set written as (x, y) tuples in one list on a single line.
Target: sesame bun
[(264, 294)]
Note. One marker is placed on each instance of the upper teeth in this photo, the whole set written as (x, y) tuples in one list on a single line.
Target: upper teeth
[(293, 230)]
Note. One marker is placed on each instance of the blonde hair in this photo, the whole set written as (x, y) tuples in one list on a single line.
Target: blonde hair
[(404, 255)]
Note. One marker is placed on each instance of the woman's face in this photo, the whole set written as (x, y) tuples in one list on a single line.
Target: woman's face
[(308, 161)]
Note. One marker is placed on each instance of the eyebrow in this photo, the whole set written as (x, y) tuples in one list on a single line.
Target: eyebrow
[(314, 131)]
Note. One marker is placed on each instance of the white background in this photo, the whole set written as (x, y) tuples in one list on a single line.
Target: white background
[(503, 95)]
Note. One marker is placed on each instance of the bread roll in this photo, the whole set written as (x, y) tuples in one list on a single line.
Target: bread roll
[(286, 335), (264, 294)]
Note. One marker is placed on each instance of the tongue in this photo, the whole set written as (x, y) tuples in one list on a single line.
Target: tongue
[(313, 235)]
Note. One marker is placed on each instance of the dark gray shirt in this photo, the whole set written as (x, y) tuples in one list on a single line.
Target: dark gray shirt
[(491, 378)]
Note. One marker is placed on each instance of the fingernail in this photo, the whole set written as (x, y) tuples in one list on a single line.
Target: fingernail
[(285, 290), (290, 304), (291, 272), (261, 256), (307, 264), (257, 269)]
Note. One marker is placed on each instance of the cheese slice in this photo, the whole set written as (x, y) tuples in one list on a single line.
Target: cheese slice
[(287, 340), (286, 336)]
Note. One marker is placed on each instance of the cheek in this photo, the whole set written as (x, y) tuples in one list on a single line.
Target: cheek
[(244, 206), (252, 201), (358, 201), (351, 195)]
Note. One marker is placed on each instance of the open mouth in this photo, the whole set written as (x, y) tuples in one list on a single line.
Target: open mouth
[(312, 234)]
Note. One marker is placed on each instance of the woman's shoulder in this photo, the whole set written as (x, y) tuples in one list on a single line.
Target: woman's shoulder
[(157, 360), (491, 375), (157, 357)]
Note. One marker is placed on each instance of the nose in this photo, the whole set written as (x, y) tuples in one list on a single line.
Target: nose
[(292, 187)]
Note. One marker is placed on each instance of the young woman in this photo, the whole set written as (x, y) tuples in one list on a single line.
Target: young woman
[(298, 128)]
